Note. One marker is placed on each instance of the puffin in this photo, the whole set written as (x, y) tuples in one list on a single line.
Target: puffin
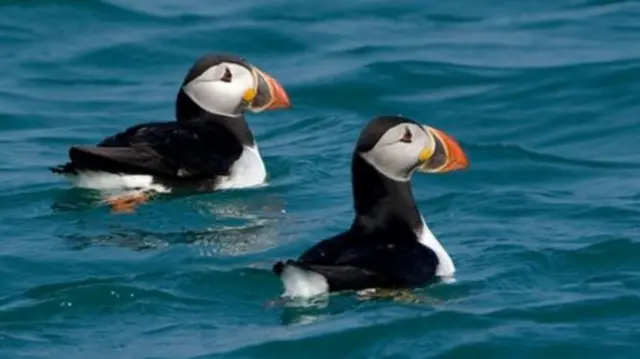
[(389, 245), (208, 147)]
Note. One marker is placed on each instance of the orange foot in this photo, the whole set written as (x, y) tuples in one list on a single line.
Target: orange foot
[(127, 203)]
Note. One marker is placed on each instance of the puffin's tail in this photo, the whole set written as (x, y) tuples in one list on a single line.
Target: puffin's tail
[(89, 158), (299, 280), (65, 169), (70, 168)]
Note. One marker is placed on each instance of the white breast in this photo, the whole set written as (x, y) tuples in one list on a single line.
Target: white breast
[(446, 269), (247, 171)]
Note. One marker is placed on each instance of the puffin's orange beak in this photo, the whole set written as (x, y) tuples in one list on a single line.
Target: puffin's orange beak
[(445, 154), (270, 94), (279, 97)]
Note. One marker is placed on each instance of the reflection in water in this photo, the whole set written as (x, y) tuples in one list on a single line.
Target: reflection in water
[(300, 311), (403, 296), (246, 226), (75, 199), (257, 235), (127, 238), (235, 224)]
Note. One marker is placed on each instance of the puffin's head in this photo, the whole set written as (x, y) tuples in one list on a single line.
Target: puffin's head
[(227, 85), (397, 147)]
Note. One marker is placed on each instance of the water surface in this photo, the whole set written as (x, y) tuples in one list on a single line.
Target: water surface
[(542, 228)]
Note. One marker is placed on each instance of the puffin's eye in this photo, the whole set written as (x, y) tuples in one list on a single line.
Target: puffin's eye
[(227, 75), (406, 138)]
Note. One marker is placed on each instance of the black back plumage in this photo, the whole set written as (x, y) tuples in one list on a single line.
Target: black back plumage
[(186, 151)]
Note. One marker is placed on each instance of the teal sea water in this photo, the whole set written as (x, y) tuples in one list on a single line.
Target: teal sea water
[(543, 95)]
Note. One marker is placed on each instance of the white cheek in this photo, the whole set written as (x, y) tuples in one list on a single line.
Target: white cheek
[(394, 161), (214, 96)]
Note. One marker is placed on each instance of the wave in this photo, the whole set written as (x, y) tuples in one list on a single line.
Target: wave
[(45, 303), (511, 151), (573, 310), (103, 7)]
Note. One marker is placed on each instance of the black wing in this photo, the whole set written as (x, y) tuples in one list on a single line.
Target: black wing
[(175, 150), (353, 259), (328, 251)]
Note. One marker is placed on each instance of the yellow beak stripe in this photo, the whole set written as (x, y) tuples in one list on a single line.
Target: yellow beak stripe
[(249, 95), (425, 154)]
